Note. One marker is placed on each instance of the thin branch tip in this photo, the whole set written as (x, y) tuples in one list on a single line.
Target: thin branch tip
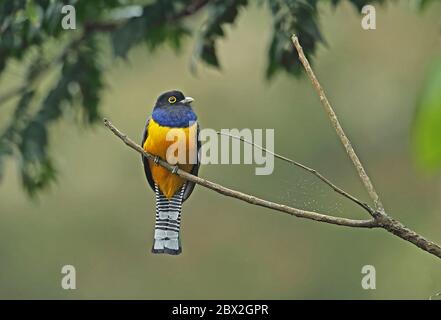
[(379, 215), (338, 128), (314, 172)]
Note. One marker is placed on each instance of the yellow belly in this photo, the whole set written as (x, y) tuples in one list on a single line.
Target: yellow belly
[(157, 144)]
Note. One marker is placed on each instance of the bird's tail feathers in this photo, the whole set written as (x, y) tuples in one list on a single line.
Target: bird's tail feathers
[(168, 223)]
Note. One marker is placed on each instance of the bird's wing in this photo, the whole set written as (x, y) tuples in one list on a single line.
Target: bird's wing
[(194, 171), (145, 161)]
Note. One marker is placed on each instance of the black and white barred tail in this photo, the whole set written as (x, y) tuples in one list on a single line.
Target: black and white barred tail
[(168, 222)]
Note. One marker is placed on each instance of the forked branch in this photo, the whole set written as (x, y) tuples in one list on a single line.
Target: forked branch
[(380, 219), (314, 172), (389, 224), (338, 129), (240, 195), (386, 222)]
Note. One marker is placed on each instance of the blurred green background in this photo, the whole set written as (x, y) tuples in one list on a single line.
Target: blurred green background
[(99, 216)]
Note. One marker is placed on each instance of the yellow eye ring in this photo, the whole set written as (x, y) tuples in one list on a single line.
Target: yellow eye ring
[(172, 99)]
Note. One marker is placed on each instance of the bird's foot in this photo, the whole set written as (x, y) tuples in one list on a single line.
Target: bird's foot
[(175, 169), (156, 160)]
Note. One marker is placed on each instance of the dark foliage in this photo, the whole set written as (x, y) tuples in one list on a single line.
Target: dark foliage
[(29, 28)]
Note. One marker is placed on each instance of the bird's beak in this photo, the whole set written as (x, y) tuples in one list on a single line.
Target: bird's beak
[(187, 100)]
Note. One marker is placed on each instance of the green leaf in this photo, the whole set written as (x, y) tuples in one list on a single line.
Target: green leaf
[(155, 26), (89, 80), (37, 176), (9, 136), (37, 170), (427, 124), (424, 3), (292, 17), (34, 142), (34, 13), (359, 4), (208, 54), (2, 163), (176, 35), (79, 68), (125, 37), (220, 13)]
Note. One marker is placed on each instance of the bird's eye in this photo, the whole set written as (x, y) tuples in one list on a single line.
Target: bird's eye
[(172, 99)]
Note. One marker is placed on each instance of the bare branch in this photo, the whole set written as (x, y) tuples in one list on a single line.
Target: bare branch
[(385, 221), (338, 128), (42, 70), (243, 196), (397, 228), (364, 205), (382, 221)]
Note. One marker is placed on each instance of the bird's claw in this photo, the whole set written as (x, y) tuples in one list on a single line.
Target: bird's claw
[(156, 160), (175, 169)]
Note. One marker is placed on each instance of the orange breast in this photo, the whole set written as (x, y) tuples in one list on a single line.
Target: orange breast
[(158, 144)]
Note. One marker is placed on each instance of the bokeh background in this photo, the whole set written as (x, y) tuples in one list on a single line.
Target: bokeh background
[(99, 216)]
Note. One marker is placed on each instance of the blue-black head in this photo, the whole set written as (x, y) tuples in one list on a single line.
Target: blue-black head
[(173, 109)]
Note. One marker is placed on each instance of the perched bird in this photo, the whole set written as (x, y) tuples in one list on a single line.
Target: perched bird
[(172, 111)]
